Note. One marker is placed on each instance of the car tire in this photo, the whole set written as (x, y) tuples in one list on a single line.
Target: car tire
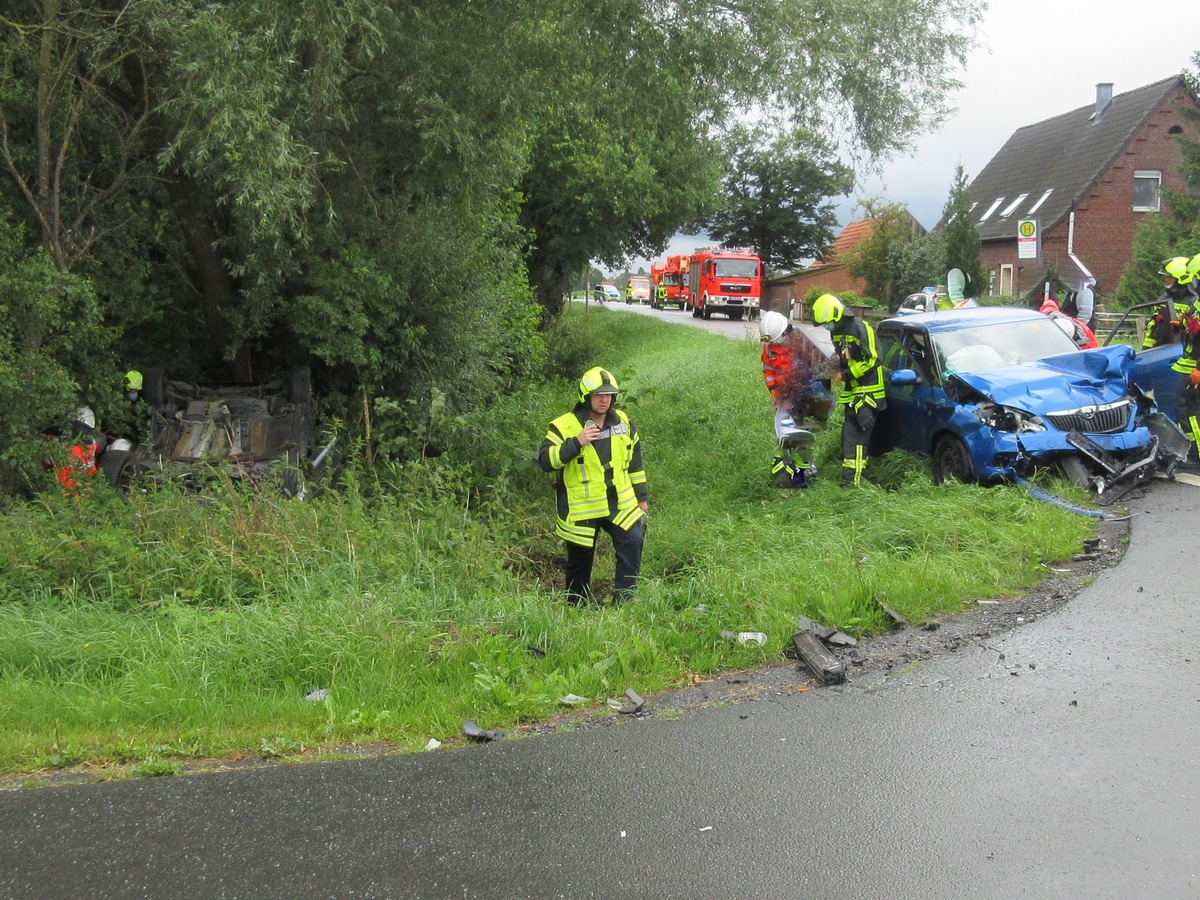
[(115, 466), (952, 461), (1076, 471)]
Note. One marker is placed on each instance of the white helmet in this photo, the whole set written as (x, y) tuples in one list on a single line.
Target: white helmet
[(85, 415), (771, 326)]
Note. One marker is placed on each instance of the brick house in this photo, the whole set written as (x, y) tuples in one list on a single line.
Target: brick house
[(1085, 179), (827, 273)]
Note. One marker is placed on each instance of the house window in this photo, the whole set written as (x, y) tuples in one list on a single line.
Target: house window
[(1145, 190)]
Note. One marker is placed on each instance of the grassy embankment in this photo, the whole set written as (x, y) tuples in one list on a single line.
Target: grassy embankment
[(150, 628)]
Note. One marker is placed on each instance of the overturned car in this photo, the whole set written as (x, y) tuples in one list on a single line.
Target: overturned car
[(245, 431), (991, 393)]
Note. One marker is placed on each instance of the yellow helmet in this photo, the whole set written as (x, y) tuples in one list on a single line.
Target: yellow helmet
[(597, 381), (133, 380), (1177, 268), (827, 309), (1193, 267)]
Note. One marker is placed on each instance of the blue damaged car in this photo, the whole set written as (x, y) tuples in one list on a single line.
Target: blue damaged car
[(991, 393)]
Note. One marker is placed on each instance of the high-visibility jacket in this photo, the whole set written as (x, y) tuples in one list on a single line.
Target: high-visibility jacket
[(778, 359), (602, 480), (862, 375)]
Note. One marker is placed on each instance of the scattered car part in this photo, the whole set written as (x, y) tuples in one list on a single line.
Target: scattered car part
[(480, 735), (635, 707), (823, 664)]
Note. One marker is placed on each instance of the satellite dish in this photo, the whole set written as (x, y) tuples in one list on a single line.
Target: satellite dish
[(956, 284)]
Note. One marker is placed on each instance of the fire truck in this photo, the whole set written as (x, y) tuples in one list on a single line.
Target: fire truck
[(724, 280)]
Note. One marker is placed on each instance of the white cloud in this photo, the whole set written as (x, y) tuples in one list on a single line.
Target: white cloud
[(1036, 60)]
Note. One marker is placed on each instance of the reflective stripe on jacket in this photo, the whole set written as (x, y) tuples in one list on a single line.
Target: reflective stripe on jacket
[(584, 477), (862, 375)]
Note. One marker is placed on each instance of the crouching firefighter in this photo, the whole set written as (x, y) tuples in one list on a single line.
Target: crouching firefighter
[(781, 364), (862, 396), (600, 484)]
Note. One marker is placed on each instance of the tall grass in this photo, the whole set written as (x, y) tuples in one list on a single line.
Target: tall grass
[(163, 625)]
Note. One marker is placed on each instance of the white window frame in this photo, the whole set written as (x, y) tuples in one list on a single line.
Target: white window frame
[(1154, 175), (1042, 199), (991, 209), (1008, 210), (1006, 280)]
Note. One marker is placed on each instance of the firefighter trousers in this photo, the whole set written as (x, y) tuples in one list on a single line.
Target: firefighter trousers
[(628, 548)]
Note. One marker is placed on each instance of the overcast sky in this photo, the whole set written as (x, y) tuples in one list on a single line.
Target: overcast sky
[(1035, 60)]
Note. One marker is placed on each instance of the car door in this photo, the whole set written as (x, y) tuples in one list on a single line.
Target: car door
[(915, 412)]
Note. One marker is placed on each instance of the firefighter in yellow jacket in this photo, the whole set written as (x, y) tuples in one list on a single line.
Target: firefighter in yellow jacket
[(600, 485), (862, 396)]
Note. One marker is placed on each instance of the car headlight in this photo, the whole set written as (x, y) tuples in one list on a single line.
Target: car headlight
[(1008, 418)]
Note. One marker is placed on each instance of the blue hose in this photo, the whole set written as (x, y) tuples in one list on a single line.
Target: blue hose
[(1059, 501)]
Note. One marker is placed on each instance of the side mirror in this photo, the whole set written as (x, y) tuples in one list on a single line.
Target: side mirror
[(903, 377)]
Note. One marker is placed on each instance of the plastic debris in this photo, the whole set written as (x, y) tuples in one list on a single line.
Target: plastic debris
[(433, 744), (727, 635), (752, 637), (572, 700), (317, 696)]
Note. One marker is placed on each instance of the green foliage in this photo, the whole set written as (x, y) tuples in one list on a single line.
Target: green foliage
[(54, 352), (150, 628), (776, 195), (875, 258), (960, 238)]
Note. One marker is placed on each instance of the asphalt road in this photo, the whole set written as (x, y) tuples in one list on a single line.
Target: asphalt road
[(1060, 759)]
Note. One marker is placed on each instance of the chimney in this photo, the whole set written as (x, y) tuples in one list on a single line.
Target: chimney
[(1103, 97)]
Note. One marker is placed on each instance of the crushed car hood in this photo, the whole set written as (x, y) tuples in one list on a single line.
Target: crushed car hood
[(1072, 380)]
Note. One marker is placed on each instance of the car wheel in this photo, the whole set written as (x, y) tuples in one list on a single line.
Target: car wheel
[(952, 461), (1075, 470), (115, 466)]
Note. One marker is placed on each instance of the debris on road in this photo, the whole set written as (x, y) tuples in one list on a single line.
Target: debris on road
[(480, 735), (636, 703), (823, 664)]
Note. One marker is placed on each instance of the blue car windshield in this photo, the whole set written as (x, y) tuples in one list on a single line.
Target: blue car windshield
[(988, 347)]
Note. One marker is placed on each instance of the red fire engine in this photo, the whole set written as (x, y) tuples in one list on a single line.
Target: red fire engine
[(673, 275), (726, 281)]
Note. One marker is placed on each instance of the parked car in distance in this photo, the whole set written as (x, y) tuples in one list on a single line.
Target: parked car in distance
[(246, 431), (990, 393)]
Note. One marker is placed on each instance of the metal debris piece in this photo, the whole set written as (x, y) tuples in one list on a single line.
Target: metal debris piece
[(892, 614), (480, 735), (839, 639), (752, 637), (823, 664), (636, 704)]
